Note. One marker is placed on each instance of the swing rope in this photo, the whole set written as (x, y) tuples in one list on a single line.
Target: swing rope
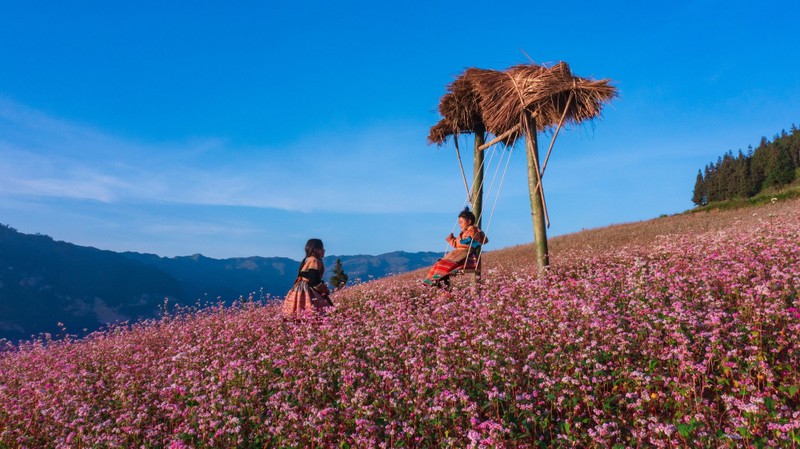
[(497, 196), (525, 126), (461, 166), (469, 200), (490, 189)]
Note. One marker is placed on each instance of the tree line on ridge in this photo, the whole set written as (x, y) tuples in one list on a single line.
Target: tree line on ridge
[(772, 164)]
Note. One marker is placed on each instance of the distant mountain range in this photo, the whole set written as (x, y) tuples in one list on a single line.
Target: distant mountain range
[(44, 282)]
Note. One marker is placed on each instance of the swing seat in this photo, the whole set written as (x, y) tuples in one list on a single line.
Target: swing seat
[(471, 266)]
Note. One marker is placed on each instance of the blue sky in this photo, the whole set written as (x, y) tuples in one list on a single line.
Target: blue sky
[(235, 129)]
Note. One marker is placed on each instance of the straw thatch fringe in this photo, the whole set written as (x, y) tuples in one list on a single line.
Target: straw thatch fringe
[(459, 108), (497, 102)]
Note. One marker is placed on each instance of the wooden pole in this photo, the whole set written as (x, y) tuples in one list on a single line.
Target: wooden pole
[(553, 140), (537, 204), (461, 166), (500, 138), (477, 183), (547, 158)]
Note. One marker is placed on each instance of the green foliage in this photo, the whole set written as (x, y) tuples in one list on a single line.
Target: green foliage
[(699, 197), (339, 278), (771, 166), (780, 171), (765, 197)]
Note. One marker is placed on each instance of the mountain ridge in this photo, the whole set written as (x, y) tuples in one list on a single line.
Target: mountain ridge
[(44, 282)]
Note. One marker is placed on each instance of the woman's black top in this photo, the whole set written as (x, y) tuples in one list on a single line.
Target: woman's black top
[(312, 275)]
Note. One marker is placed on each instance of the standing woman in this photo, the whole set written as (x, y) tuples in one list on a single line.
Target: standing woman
[(469, 241), (309, 291)]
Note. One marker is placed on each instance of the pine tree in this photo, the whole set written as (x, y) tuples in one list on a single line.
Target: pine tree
[(758, 166), (772, 164), (727, 176), (710, 183), (794, 146), (339, 278), (742, 176), (699, 195), (780, 172)]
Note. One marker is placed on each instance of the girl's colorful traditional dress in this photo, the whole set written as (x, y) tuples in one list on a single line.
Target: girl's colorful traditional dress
[(467, 245), (309, 291)]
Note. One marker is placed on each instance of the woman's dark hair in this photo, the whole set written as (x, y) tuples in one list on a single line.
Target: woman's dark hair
[(311, 245), (466, 214)]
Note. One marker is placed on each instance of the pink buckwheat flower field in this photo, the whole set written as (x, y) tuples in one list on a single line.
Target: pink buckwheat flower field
[(678, 332)]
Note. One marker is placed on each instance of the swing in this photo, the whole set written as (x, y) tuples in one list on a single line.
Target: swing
[(473, 262), (520, 101)]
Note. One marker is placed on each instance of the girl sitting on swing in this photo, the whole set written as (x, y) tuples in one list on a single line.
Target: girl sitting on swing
[(468, 243)]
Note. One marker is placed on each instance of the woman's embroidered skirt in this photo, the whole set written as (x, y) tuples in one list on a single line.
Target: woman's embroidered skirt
[(302, 298)]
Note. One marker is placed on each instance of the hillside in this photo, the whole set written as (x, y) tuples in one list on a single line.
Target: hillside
[(44, 282), (682, 331), (566, 249), (205, 277)]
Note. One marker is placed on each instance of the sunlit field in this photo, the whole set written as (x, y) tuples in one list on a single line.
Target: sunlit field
[(678, 332)]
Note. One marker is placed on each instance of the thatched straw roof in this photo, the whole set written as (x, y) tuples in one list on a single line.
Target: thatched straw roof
[(498, 102), (459, 108)]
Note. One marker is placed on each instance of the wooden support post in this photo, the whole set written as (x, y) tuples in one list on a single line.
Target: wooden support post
[(477, 182), (555, 134), (537, 203), (499, 138)]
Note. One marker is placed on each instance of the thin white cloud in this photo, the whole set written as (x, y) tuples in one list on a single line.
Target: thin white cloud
[(383, 169), (26, 173)]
